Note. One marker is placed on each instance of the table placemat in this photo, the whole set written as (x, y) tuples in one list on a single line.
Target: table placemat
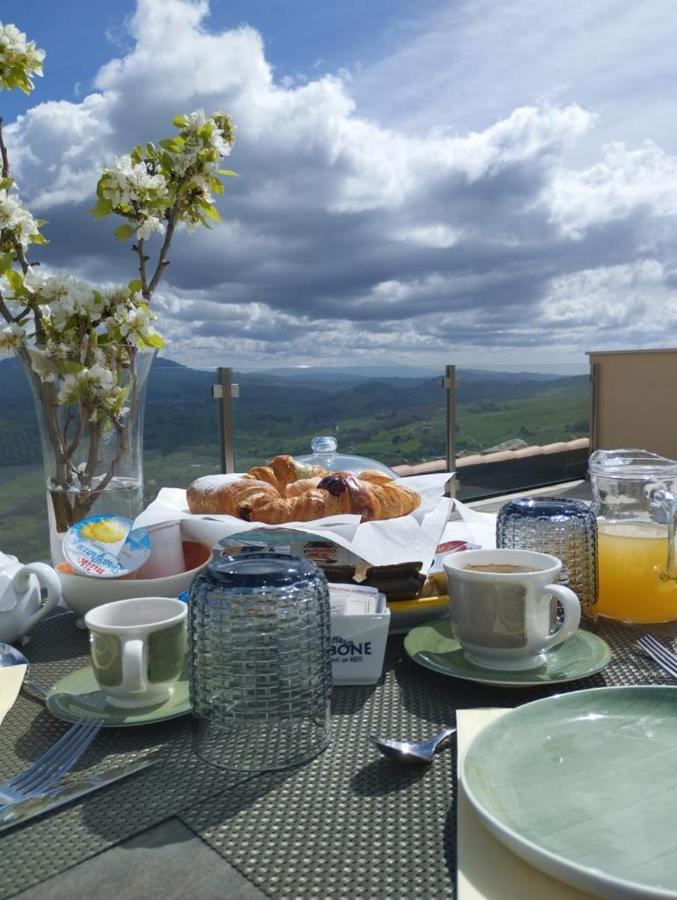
[(353, 824), (38, 850), (349, 823)]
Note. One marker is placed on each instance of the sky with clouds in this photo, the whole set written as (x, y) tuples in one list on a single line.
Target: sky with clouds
[(467, 182)]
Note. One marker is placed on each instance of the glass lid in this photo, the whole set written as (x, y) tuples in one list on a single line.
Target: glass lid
[(324, 454)]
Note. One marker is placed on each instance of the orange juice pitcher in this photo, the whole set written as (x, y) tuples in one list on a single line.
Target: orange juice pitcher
[(635, 501)]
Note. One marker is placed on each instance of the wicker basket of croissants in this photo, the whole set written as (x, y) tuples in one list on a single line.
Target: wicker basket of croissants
[(288, 491)]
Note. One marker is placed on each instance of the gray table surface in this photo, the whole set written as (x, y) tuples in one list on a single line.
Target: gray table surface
[(169, 861)]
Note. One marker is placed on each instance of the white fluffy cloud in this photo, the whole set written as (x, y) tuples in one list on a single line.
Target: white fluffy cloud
[(347, 239)]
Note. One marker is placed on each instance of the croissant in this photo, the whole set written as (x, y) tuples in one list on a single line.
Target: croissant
[(216, 494), (341, 492), (283, 470), (301, 486), (374, 476)]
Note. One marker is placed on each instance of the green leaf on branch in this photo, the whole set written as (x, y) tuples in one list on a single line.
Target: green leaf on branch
[(38, 238), (6, 260), (179, 121), (135, 286), (172, 145), (16, 282), (123, 232), (153, 341), (68, 367), (101, 208), (228, 172), (211, 211)]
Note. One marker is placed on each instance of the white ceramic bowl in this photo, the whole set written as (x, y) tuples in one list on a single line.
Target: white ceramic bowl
[(82, 592)]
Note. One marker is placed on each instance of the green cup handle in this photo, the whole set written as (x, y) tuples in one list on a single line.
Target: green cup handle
[(134, 667)]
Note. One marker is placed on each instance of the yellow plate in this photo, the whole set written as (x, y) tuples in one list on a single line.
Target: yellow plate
[(407, 614)]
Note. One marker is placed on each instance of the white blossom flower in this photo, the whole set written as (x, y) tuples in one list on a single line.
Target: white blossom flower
[(18, 57), (42, 364), (126, 181), (196, 119), (12, 336), (16, 219), (219, 143), (34, 280), (151, 225)]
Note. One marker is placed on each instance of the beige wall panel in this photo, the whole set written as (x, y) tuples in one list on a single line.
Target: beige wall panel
[(636, 400)]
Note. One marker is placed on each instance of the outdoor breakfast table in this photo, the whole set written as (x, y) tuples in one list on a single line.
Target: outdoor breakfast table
[(347, 824)]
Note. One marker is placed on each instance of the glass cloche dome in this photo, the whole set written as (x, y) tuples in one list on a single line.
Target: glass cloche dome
[(324, 454)]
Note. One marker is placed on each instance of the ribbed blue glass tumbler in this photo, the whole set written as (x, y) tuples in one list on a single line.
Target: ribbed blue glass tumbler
[(565, 528), (260, 669)]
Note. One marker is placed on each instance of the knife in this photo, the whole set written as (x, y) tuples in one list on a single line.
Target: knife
[(66, 791)]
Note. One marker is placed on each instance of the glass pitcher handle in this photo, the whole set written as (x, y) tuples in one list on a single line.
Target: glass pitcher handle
[(661, 498)]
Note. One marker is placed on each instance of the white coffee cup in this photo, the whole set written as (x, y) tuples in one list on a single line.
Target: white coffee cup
[(503, 619), (138, 648)]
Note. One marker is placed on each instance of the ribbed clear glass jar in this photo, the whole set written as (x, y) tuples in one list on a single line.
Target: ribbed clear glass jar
[(260, 677), (563, 527)]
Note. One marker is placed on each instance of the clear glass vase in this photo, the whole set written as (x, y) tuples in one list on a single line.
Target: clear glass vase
[(92, 467)]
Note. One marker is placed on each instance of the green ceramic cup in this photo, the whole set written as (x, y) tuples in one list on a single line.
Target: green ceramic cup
[(138, 649)]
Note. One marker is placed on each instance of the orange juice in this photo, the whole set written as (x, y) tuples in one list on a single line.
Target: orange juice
[(633, 586)]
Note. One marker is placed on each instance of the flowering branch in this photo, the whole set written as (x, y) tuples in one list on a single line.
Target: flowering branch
[(81, 343)]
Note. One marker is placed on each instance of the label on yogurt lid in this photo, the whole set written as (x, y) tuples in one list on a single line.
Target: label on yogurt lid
[(106, 546)]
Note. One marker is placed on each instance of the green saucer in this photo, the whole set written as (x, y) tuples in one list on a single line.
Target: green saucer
[(435, 647), (78, 696)]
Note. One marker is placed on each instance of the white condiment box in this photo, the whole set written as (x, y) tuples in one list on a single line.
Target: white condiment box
[(359, 631)]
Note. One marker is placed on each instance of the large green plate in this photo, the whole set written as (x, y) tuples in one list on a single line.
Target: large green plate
[(584, 786), (435, 647), (78, 696)]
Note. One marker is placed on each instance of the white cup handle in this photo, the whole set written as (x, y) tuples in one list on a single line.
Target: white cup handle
[(571, 608), (134, 667), (48, 579)]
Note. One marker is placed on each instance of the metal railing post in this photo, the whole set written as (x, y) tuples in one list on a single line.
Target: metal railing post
[(449, 383), (225, 391)]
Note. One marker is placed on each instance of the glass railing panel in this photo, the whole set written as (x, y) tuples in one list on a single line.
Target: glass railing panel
[(395, 419), (181, 431), (533, 413)]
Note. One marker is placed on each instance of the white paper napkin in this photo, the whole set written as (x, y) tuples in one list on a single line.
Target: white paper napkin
[(487, 870), (11, 679), (476, 527)]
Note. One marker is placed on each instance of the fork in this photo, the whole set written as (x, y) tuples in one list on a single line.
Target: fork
[(660, 654), (60, 758)]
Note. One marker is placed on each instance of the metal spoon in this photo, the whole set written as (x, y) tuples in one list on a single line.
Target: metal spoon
[(414, 753)]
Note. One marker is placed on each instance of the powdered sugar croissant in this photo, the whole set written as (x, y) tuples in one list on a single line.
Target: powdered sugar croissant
[(220, 495)]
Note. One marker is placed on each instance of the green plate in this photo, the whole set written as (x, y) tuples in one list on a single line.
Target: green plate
[(435, 647), (583, 786), (78, 696)]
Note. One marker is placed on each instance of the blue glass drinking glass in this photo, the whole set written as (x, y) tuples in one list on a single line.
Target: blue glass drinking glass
[(562, 527), (260, 665)]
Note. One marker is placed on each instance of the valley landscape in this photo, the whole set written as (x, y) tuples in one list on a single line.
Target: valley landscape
[(393, 418)]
